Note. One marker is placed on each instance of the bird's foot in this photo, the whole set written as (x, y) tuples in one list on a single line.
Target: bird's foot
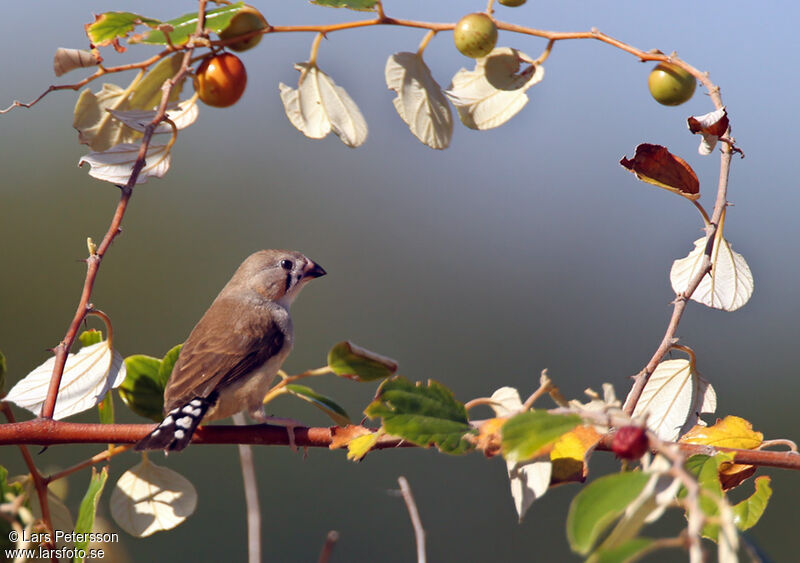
[(290, 424)]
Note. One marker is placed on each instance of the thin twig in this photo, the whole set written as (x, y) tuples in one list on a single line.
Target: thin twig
[(681, 300), (419, 531), (327, 548), (695, 516), (94, 259), (382, 19), (250, 496), (39, 484), (102, 456)]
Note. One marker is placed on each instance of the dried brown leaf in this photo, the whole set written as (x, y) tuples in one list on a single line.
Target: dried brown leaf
[(655, 165)]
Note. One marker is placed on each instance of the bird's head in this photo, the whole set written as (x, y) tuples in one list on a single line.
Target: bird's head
[(277, 275)]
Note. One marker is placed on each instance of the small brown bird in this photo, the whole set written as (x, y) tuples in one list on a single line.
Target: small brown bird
[(232, 355)]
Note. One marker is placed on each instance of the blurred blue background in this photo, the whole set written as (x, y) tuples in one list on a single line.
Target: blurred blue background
[(517, 249)]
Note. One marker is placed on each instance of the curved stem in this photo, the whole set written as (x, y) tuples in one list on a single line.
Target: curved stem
[(425, 41), (107, 321), (312, 58), (689, 351), (702, 210), (546, 53)]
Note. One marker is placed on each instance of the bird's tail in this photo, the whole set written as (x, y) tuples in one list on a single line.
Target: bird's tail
[(176, 430)]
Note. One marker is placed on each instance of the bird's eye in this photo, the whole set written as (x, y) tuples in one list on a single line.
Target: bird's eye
[(286, 264)]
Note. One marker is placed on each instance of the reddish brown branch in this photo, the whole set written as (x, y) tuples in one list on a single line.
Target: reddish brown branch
[(45, 432)]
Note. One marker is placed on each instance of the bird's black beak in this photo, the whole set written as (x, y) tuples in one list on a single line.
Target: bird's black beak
[(314, 270)]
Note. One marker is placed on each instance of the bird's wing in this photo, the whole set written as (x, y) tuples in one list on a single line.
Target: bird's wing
[(238, 343)]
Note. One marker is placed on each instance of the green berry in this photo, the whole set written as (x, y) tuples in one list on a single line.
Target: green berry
[(512, 3), (475, 35), (671, 85), (246, 20)]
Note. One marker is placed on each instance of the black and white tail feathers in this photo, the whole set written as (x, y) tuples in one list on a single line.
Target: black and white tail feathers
[(176, 430)]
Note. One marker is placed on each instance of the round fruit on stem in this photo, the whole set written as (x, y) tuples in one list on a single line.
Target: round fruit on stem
[(245, 21), (670, 84), (220, 80), (630, 442), (475, 35), (512, 3)]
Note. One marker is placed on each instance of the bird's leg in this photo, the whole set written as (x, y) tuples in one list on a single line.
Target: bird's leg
[(259, 415)]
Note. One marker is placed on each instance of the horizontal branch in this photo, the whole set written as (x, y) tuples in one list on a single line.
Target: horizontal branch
[(46, 432)]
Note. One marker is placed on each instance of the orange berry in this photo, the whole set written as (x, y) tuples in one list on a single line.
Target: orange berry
[(220, 80)]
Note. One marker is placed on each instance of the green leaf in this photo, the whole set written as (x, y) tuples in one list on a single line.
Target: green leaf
[(3, 483), (143, 390), (89, 337), (106, 409), (348, 360), (325, 404), (629, 551), (2, 373), (167, 363), (359, 5), (112, 25), (748, 512), (422, 414), (216, 20), (88, 509), (598, 505), (706, 470), (526, 433)]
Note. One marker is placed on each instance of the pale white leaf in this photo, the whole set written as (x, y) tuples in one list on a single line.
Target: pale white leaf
[(149, 498), (673, 399), (318, 106), (115, 164), (529, 481), (182, 115), (94, 123), (494, 91), (506, 402), (88, 376), (420, 101), (66, 60), (707, 144), (711, 127), (727, 287)]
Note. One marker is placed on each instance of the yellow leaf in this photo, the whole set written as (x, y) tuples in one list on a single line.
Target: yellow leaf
[(728, 432), (359, 447), (569, 454), (342, 436)]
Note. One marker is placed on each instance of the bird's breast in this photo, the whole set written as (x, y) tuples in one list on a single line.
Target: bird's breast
[(247, 393)]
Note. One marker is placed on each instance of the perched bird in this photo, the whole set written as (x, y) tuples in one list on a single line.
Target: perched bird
[(232, 355)]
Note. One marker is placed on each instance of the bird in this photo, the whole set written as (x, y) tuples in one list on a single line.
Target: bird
[(232, 355)]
